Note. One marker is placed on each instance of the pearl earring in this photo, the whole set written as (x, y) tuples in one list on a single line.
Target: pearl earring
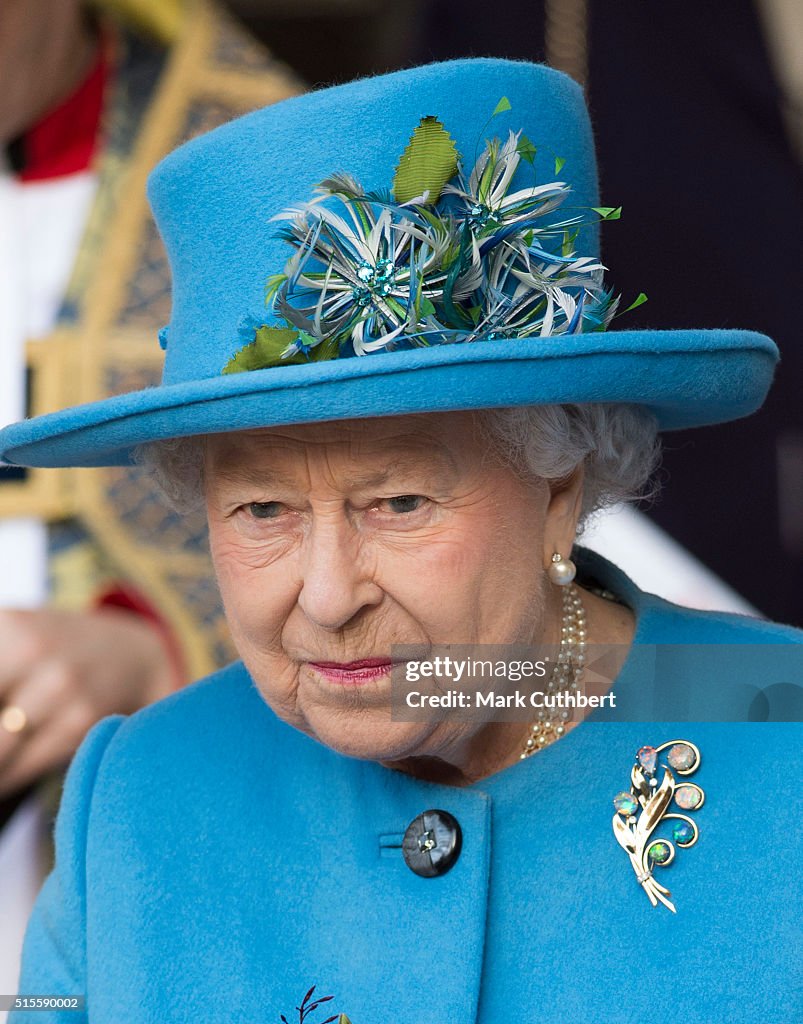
[(561, 570)]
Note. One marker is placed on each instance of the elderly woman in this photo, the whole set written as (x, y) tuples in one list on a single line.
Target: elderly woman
[(395, 457)]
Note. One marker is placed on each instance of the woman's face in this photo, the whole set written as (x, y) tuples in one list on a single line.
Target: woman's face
[(334, 541)]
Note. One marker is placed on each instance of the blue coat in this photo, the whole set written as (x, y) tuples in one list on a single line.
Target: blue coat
[(213, 863)]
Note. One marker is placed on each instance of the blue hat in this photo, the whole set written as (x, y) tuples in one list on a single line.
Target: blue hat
[(420, 241)]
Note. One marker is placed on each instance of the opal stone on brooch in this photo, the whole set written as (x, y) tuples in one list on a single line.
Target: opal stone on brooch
[(642, 808)]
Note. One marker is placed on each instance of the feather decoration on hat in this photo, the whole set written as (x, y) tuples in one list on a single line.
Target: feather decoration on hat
[(443, 258)]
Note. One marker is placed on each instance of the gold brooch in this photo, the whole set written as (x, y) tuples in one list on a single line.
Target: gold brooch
[(645, 806)]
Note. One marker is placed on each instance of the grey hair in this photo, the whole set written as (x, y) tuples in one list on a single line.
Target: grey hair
[(176, 466), (616, 444)]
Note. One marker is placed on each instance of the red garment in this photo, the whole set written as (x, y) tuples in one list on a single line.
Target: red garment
[(65, 140)]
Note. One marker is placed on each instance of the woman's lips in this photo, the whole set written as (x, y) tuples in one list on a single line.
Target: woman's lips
[(353, 672)]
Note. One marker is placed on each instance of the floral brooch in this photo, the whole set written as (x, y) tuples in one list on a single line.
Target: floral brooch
[(310, 1005), (645, 805), (441, 257)]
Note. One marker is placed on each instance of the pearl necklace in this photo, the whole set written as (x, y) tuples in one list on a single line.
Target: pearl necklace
[(550, 724)]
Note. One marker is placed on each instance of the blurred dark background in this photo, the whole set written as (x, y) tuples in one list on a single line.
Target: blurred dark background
[(697, 124)]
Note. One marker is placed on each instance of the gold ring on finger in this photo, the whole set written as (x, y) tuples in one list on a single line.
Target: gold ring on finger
[(13, 719)]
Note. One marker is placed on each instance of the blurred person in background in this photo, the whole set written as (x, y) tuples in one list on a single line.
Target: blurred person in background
[(94, 619)]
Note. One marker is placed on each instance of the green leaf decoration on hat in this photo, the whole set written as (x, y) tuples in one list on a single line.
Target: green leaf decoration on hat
[(638, 301), (608, 212), (265, 350), (427, 164), (268, 345), (526, 149), (501, 106)]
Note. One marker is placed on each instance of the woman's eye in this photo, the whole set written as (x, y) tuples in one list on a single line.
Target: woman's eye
[(405, 503), (264, 509)]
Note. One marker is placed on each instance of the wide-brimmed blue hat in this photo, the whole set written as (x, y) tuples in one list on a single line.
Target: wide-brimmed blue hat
[(420, 241)]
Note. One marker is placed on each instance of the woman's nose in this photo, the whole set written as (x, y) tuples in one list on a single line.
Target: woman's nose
[(337, 581)]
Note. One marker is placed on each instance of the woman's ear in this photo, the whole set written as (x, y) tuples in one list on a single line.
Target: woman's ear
[(563, 513)]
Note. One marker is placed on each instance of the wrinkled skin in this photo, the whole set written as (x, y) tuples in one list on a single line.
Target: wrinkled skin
[(334, 541)]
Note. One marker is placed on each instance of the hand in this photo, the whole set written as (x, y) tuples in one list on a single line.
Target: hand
[(67, 670)]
